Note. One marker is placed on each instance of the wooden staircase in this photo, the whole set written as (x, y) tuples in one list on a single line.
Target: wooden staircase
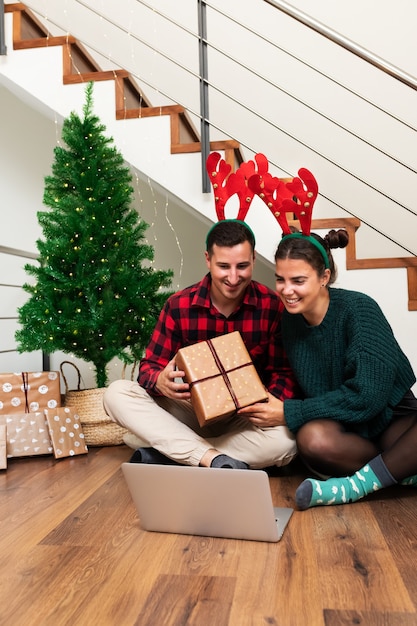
[(131, 103)]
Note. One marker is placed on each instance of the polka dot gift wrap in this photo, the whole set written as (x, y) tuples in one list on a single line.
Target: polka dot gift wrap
[(221, 376), (66, 432), (26, 392)]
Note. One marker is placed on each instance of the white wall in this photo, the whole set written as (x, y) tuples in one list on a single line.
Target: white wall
[(27, 141)]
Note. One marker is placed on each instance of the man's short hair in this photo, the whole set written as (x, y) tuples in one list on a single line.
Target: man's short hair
[(229, 233)]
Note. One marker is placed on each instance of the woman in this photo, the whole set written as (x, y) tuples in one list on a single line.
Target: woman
[(357, 421)]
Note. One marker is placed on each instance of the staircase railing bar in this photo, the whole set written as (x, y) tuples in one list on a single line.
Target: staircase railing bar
[(26, 255), (282, 168), (221, 51), (17, 252), (3, 47), (154, 10), (204, 94), (307, 64), (301, 142), (142, 80), (308, 21), (343, 208), (359, 51), (9, 285), (320, 113)]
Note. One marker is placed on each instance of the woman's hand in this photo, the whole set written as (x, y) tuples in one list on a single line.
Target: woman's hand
[(265, 414)]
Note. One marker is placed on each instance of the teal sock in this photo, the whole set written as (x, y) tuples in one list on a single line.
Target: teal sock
[(411, 481), (371, 477)]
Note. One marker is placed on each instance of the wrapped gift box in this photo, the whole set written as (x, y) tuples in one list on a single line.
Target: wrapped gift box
[(221, 376), (27, 434), (24, 392), (3, 454), (66, 432)]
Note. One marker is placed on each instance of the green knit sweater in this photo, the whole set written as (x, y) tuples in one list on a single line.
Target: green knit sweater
[(350, 367)]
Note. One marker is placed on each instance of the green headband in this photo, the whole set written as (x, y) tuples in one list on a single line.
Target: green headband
[(314, 241), (237, 222)]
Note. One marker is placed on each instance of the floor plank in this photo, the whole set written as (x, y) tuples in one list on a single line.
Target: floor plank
[(350, 546), (73, 553)]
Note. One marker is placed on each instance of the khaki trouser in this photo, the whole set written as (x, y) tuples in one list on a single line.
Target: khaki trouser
[(171, 427)]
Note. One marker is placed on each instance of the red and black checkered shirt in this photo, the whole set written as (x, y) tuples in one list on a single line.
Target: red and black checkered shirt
[(189, 316)]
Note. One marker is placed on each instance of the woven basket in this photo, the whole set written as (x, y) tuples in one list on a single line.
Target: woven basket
[(99, 429)]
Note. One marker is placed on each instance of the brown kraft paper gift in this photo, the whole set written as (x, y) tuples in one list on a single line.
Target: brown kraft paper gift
[(66, 432), (24, 392), (3, 455), (221, 376), (27, 434)]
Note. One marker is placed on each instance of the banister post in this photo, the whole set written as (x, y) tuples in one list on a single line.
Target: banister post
[(3, 48), (204, 105)]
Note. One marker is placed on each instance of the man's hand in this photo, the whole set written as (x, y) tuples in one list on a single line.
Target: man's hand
[(265, 414), (169, 387)]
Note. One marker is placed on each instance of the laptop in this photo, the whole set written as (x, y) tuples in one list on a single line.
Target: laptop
[(213, 502)]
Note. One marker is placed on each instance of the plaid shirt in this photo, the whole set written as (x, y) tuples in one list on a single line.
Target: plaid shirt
[(189, 317)]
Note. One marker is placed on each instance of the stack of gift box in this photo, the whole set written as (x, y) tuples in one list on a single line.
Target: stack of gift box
[(32, 420)]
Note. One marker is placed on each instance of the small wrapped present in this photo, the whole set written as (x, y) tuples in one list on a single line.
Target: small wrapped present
[(24, 392), (221, 376), (27, 434), (66, 432), (3, 454)]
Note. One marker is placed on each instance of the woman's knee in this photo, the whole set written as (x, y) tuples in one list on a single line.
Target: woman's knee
[(316, 440)]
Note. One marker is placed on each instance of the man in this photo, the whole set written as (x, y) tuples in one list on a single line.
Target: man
[(158, 409)]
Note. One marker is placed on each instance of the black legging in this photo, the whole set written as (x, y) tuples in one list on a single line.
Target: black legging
[(328, 448)]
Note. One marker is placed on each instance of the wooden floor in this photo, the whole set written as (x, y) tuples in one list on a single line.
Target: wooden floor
[(73, 553)]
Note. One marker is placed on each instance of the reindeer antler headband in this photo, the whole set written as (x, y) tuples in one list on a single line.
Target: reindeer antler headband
[(226, 184), (296, 196)]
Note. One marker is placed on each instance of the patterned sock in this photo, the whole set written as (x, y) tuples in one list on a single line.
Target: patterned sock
[(411, 481), (222, 460), (371, 477)]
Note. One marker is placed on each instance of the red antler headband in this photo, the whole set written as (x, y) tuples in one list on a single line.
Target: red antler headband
[(296, 196), (226, 184)]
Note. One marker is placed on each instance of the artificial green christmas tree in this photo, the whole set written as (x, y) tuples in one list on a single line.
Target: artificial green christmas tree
[(93, 295)]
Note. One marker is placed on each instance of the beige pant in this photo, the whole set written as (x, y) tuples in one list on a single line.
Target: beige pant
[(171, 427)]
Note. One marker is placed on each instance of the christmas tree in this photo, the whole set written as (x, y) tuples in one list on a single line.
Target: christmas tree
[(95, 294)]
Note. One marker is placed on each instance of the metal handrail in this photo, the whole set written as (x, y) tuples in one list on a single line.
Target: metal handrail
[(332, 35), (17, 252), (204, 95), (46, 365), (3, 47)]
